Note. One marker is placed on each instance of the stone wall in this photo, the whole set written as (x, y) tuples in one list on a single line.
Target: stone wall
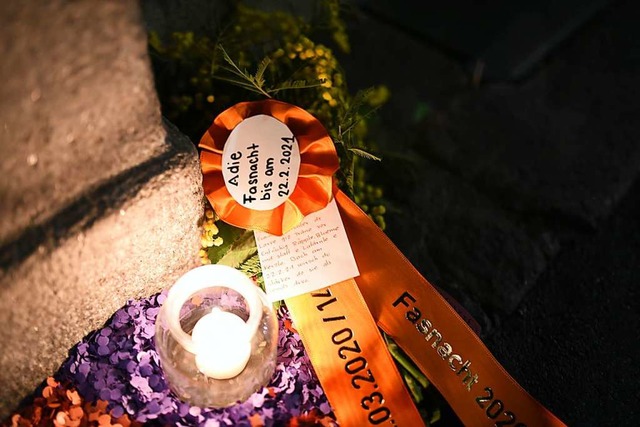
[(99, 199)]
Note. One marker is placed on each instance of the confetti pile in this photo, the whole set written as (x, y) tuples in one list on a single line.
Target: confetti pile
[(60, 405), (119, 367)]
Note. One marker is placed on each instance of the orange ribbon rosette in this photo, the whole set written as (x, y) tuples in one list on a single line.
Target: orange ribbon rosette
[(339, 325), (318, 163)]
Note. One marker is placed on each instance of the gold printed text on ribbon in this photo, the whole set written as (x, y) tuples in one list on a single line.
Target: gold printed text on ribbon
[(417, 317), (351, 358)]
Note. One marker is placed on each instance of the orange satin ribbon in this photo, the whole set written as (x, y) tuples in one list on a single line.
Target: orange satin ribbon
[(389, 292), (351, 359), (431, 332), (357, 374)]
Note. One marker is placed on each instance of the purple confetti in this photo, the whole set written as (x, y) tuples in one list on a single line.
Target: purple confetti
[(119, 364), (117, 411)]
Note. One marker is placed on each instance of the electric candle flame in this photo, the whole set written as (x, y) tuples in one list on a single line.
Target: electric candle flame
[(223, 347), (220, 340), (228, 346)]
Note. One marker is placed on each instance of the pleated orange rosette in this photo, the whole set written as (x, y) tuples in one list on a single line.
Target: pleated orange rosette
[(318, 163), (339, 325)]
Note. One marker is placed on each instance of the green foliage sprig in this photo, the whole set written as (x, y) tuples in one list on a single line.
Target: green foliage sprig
[(212, 74), (256, 82)]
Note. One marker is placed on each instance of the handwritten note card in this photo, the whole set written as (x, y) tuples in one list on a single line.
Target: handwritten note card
[(312, 256)]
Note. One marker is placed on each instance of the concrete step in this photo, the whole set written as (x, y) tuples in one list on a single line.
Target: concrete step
[(99, 199)]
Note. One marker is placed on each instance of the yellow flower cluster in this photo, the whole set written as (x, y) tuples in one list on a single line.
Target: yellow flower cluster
[(209, 237), (369, 198), (337, 26), (314, 62), (199, 91), (189, 50), (258, 25)]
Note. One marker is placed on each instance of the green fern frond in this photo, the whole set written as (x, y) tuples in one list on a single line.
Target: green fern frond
[(364, 154), (296, 84), (254, 83), (240, 251), (262, 67), (251, 267)]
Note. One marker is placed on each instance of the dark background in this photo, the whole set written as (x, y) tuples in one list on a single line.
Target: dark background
[(523, 199)]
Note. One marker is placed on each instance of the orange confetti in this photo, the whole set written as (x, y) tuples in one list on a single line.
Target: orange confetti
[(61, 419), (289, 326), (73, 397), (76, 413), (256, 420), (123, 421), (92, 412), (104, 420), (47, 392), (312, 419)]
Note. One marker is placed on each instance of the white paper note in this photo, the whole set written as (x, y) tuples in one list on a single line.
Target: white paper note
[(314, 255)]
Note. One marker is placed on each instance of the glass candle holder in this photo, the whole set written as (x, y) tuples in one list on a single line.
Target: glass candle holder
[(216, 336)]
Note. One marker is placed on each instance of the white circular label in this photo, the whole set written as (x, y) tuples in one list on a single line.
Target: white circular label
[(260, 162)]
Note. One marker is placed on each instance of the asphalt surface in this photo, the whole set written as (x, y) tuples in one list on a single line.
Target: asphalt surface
[(521, 197)]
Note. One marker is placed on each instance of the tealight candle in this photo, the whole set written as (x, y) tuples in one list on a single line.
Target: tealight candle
[(216, 336), (223, 348), (220, 341)]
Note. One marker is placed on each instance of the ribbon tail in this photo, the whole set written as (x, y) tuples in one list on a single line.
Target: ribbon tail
[(351, 358), (408, 308)]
